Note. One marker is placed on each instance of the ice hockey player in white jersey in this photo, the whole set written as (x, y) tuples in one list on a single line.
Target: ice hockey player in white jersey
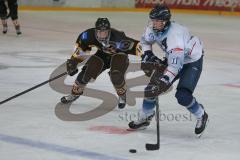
[(184, 59)]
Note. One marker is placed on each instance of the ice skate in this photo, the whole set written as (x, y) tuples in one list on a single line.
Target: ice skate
[(143, 122), (18, 31), (5, 28), (122, 101), (69, 98), (201, 125), (76, 92)]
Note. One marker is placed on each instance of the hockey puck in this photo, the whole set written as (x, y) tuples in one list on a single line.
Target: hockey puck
[(132, 150)]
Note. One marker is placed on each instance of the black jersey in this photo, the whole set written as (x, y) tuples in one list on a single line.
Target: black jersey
[(118, 42)]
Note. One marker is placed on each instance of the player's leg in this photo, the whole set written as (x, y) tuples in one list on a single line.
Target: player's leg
[(90, 71), (147, 112), (13, 7), (188, 80), (3, 16), (118, 68)]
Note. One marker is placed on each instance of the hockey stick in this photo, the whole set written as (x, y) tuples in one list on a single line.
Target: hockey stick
[(34, 87), (156, 146)]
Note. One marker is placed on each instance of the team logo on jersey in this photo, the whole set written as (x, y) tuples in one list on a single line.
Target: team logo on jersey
[(110, 48)]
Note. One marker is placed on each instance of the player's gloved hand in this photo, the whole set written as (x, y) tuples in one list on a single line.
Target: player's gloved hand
[(146, 65), (147, 56), (150, 62), (163, 83), (164, 61), (158, 84), (72, 67)]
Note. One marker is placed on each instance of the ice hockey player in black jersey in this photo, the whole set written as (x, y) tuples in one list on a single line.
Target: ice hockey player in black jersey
[(113, 47)]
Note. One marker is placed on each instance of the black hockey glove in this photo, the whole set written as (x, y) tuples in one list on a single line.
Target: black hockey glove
[(158, 84), (162, 83), (72, 67), (150, 62), (147, 56)]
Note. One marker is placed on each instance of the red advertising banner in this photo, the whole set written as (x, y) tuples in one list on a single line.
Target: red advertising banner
[(217, 5)]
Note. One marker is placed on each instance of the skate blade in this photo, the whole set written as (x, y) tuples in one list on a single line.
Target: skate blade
[(200, 135)]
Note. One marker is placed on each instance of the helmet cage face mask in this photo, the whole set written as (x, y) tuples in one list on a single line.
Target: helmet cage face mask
[(102, 30), (157, 25), (160, 17), (103, 36)]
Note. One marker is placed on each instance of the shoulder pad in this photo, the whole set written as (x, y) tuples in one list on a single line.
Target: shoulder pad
[(84, 36), (149, 35)]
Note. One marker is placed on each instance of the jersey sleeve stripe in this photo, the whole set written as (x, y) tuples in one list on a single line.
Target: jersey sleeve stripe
[(192, 48), (171, 72), (177, 50)]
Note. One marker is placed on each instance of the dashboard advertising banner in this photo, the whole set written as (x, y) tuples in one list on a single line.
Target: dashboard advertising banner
[(216, 5)]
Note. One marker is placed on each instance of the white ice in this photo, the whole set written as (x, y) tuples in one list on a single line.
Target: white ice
[(30, 129)]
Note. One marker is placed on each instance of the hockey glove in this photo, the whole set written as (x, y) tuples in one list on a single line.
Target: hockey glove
[(158, 84), (150, 62), (146, 57), (72, 67), (162, 83)]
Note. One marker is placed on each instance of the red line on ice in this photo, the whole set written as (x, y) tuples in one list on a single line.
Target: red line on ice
[(110, 129), (232, 85)]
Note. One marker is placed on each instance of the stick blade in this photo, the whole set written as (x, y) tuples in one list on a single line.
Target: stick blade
[(152, 147)]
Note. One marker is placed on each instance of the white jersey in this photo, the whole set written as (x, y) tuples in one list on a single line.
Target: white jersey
[(179, 45)]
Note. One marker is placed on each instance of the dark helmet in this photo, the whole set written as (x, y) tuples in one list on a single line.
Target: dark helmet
[(161, 12), (102, 24)]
